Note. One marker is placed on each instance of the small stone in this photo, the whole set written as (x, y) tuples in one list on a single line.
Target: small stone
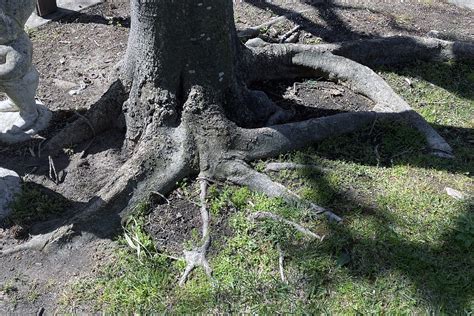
[(9, 187), (458, 195), (256, 42), (433, 34)]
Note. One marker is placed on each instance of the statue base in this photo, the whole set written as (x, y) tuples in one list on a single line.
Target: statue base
[(9, 187), (16, 127)]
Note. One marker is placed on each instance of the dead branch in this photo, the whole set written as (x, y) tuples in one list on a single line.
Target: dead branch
[(281, 259)]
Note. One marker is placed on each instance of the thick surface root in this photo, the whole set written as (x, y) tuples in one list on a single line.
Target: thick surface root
[(206, 142), (131, 182), (266, 142), (41, 242), (308, 61), (387, 51), (365, 81)]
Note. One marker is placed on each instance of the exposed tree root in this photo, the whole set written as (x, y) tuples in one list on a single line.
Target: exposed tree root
[(240, 173), (267, 215), (129, 178), (197, 257), (357, 77), (41, 242), (103, 115), (387, 51), (267, 142), (185, 132), (279, 166), (259, 216), (363, 80)]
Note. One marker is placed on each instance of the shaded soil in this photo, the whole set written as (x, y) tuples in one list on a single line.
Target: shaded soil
[(338, 20), (176, 224), (306, 98), (79, 53)]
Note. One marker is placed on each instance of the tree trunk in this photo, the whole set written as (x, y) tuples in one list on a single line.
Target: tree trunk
[(174, 46)]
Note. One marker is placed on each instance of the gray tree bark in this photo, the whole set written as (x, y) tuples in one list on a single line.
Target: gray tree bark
[(175, 46)]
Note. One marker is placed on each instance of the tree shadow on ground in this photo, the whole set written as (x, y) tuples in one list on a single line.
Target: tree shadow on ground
[(456, 77), (388, 144), (333, 29), (440, 269)]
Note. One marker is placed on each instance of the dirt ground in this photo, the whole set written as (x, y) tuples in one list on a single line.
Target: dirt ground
[(75, 57)]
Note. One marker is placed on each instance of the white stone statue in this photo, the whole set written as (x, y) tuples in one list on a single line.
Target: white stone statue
[(21, 116), (9, 187)]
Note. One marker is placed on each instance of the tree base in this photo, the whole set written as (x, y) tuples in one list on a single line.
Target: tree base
[(205, 141)]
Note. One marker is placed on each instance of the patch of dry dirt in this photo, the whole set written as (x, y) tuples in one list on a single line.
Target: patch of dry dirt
[(173, 225)]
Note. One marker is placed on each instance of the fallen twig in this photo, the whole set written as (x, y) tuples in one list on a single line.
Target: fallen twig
[(53, 175), (287, 35), (280, 264)]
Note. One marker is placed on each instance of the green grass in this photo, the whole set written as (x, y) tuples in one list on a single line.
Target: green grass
[(405, 246), (34, 204)]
